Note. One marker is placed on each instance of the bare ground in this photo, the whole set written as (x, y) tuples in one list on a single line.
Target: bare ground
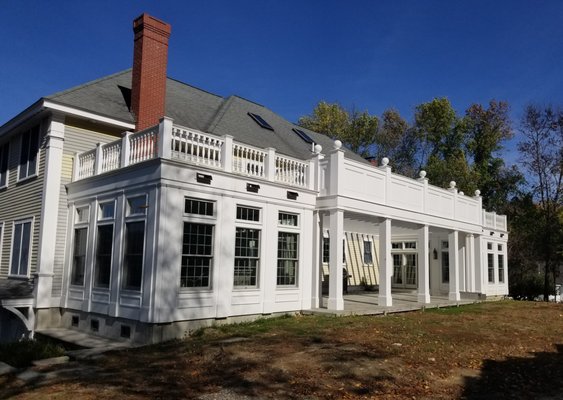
[(510, 350)]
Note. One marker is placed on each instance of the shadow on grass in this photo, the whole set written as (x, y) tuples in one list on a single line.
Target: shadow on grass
[(537, 377)]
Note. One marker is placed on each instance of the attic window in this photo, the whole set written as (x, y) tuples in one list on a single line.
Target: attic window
[(303, 135), (260, 121)]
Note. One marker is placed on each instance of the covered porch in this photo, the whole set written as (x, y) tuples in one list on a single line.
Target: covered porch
[(404, 300)]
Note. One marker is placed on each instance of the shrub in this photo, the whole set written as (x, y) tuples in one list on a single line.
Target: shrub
[(21, 354)]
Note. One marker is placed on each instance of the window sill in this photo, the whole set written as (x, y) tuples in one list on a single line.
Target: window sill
[(27, 178), (19, 277)]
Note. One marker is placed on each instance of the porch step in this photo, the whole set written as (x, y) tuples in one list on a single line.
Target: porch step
[(84, 340)]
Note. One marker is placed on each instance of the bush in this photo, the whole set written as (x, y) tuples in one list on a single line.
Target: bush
[(527, 287), (21, 354)]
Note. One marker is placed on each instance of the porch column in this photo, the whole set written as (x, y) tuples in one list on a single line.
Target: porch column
[(423, 265), (317, 259), (453, 244), (336, 234), (478, 259), (470, 263), (385, 264)]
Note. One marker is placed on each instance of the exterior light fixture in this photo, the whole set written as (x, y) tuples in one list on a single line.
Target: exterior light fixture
[(292, 195), (252, 187), (202, 178)]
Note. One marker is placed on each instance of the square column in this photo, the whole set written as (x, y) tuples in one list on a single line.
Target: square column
[(336, 234), (478, 260), (316, 283), (423, 265), (470, 263), (453, 243), (385, 264)]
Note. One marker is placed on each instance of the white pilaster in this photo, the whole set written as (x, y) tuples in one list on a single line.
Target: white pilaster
[(453, 243), (478, 258), (165, 137), (336, 234), (317, 260), (336, 171), (49, 212), (227, 153), (271, 164), (423, 265), (470, 262), (385, 264), (223, 269)]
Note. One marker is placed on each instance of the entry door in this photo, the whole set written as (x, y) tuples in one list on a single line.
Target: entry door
[(404, 270)]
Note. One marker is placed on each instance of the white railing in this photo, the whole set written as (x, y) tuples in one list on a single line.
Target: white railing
[(249, 161), (85, 164), (111, 156), (489, 219), (196, 147), (143, 145), (291, 171)]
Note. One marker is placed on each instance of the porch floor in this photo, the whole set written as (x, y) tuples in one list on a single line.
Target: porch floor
[(365, 303)]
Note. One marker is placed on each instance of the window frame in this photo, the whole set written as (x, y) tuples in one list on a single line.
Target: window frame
[(103, 222), (79, 227), (297, 219), (1, 241), (5, 164), (445, 262), (500, 267), (29, 248), (213, 203), (29, 132), (256, 258), (326, 249), (131, 218), (491, 268), (248, 209), (296, 267), (209, 257), (367, 245)]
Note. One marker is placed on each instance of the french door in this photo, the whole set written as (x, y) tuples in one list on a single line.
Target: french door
[(404, 270)]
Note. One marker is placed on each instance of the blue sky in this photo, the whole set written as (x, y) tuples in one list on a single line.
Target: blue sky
[(290, 54)]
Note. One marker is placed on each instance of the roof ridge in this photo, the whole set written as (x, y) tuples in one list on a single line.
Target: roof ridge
[(220, 113), (194, 87), (90, 83)]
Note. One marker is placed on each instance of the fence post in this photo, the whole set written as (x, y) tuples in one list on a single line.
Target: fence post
[(271, 164), (227, 153), (99, 157), (125, 148)]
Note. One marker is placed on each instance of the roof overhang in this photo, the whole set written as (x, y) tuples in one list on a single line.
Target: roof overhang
[(46, 104)]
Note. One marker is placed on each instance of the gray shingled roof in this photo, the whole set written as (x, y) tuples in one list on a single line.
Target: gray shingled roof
[(197, 109)]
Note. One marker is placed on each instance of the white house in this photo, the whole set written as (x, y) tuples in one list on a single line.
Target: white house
[(138, 206)]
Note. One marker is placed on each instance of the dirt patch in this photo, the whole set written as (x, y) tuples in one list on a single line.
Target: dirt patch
[(511, 350)]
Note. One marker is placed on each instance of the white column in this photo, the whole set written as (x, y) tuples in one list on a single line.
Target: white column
[(478, 258), (227, 153), (385, 264), (336, 169), (49, 212), (336, 234), (223, 268), (270, 164), (423, 265), (470, 262), (453, 243), (317, 260)]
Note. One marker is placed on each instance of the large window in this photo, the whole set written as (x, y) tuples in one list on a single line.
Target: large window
[(134, 250), (4, 155), (21, 249), (500, 268), (197, 255), (491, 267), (103, 256), (28, 154), (368, 257), (247, 257), (445, 262), (79, 256), (288, 258)]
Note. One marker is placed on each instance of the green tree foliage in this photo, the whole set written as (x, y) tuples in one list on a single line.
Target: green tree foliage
[(542, 157)]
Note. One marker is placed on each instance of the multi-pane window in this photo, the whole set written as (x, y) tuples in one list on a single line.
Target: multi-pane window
[(21, 248), (104, 247), (326, 250), (79, 256), (445, 262), (4, 154), (491, 267), (247, 257), (137, 205), (107, 210), (28, 154), (368, 257), (288, 219), (500, 267), (198, 207), (248, 213), (499, 247), (288, 258), (197, 255), (134, 250), (489, 246), (82, 214)]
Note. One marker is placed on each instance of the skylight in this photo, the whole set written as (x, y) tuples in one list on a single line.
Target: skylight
[(303, 135), (260, 121)]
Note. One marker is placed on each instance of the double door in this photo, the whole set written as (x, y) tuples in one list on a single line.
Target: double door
[(404, 270)]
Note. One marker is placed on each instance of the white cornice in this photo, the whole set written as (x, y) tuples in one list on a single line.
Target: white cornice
[(86, 114), (43, 104)]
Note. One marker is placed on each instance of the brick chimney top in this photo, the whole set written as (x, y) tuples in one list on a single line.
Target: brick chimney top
[(150, 57)]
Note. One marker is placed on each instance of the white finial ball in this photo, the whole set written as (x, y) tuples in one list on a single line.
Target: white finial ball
[(477, 193), (337, 144), (318, 149), (461, 193), (422, 174), (384, 161), (452, 184)]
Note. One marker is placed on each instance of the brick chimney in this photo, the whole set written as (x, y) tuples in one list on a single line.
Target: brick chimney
[(150, 56)]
